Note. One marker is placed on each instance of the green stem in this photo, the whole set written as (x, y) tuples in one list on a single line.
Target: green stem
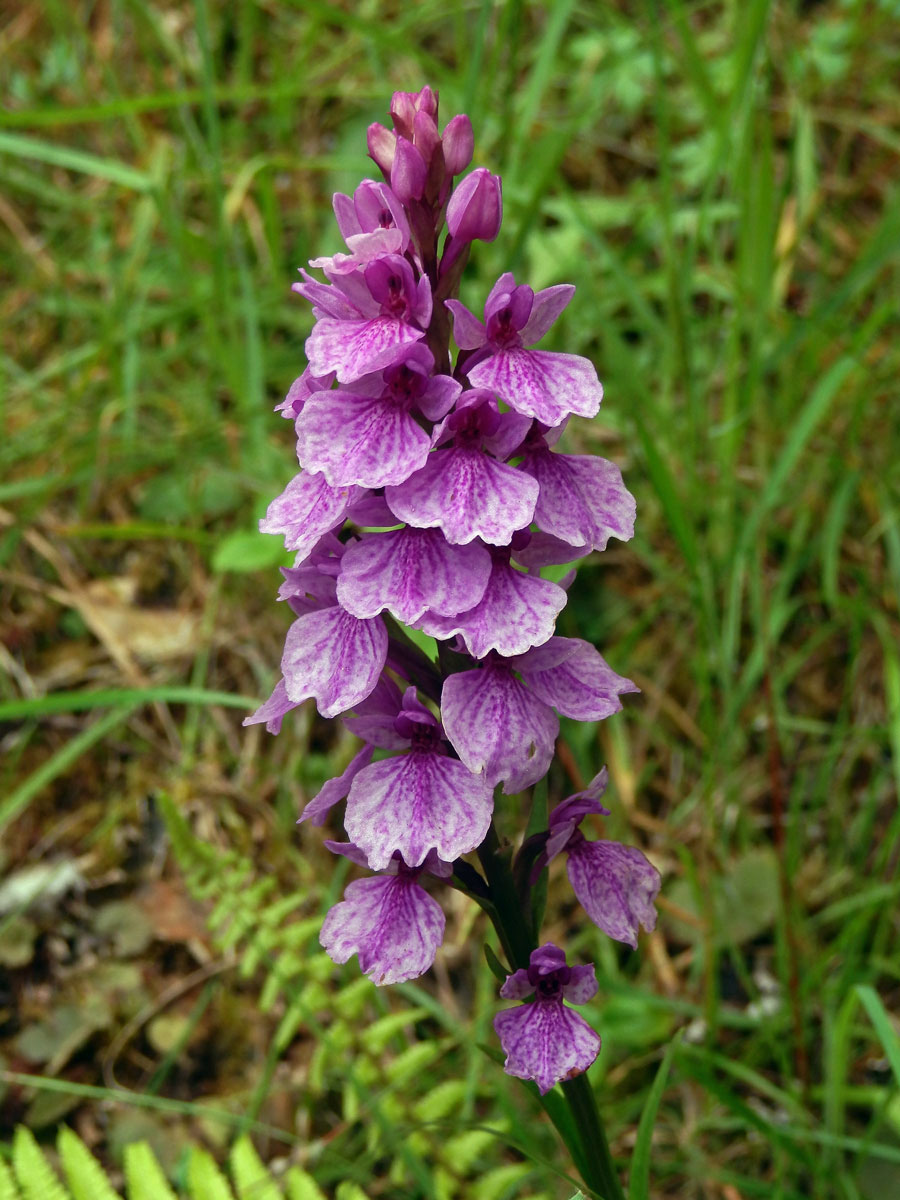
[(583, 1134), (602, 1175)]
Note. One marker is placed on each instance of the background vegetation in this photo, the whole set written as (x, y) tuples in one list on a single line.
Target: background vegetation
[(720, 181)]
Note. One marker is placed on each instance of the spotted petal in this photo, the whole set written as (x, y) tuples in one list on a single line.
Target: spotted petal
[(307, 509), (467, 494), (582, 499), (570, 674), (390, 922), (354, 439), (540, 383), (517, 611), (333, 656), (615, 885), (409, 571), (355, 348), (415, 803), (496, 725), (546, 1041)]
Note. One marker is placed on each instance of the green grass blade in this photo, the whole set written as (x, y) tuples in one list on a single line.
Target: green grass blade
[(887, 1034), (639, 1175), (22, 146), (19, 798)]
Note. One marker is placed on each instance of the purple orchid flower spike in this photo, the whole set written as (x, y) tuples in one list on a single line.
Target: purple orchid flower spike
[(431, 497), (538, 383), (389, 921), (545, 1040), (616, 885)]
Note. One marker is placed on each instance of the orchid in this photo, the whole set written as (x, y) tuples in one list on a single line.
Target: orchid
[(431, 496)]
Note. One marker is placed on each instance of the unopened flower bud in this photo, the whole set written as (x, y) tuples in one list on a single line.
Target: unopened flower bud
[(407, 172), (476, 208), (459, 144), (425, 135), (405, 105), (382, 145)]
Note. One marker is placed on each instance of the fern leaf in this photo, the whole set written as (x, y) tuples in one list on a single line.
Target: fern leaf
[(86, 1177), (8, 1189), (252, 1180), (205, 1179), (301, 1186), (35, 1175), (349, 1191), (144, 1175)]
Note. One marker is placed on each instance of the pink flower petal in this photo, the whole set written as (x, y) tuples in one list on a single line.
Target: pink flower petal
[(334, 657), (364, 440), (355, 348), (390, 922), (468, 494), (409, 571), (414, 803), (582, 686), (273, 710), (308, 508), (497, 726), (516, 612), (582, 500), (616, 886), (335, 790), (548, 304), (540, 383), (546, 1041)]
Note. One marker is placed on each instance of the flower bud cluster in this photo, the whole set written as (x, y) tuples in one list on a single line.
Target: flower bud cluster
[(431, 495)]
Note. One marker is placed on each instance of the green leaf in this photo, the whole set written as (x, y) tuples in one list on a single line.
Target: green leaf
[(86, 1177), (144, 1175), (58, 155), (8, 1189), (252, 1180), (301, 1186), (205, 1179), (879, 1017), (34, 1173), (495, 964), (247, 552), (639, 1181)]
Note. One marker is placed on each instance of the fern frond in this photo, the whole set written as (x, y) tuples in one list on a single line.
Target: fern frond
[(87, 1179), (301, 1186), (205, 1179), (144, 1175), (36, 1177), (252, 1180), (8, 1189)]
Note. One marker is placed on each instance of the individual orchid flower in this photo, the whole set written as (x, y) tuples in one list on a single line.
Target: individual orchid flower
[(616, 885), (389, 921), (537, 383), (544, 1040)]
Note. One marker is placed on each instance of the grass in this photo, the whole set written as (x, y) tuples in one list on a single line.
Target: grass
[(720, 181)]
